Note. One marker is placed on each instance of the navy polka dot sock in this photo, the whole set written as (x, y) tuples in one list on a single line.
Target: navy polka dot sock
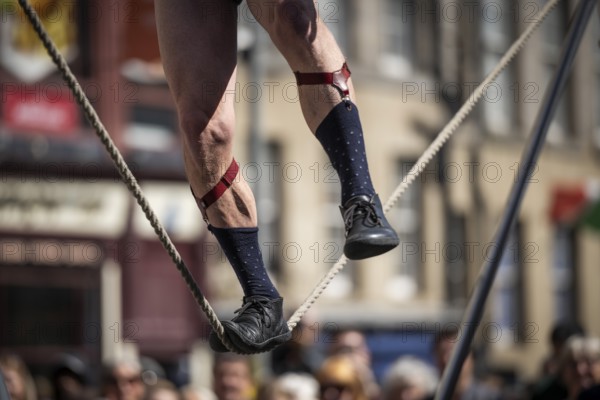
[(341, 136), (241, 247)]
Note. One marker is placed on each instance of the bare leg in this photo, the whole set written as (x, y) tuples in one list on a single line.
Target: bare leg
[(307, 45), (198, 44)]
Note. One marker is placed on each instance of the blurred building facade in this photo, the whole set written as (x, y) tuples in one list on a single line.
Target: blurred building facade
[(80, 270), (414, 63)]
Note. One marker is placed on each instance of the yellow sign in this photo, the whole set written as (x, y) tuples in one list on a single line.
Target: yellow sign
[(21, 51), (58, 20)]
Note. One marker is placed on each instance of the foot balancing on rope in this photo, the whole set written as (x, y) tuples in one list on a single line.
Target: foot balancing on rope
[(259, 324), (202, 91)]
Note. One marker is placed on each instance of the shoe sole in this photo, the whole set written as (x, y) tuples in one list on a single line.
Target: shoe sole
[(362, 250), (215, 344), (269, 344), (246, 348), (256, 348)]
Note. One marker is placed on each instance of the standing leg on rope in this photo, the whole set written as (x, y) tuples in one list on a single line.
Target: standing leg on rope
[(326, 98), (198, 44)]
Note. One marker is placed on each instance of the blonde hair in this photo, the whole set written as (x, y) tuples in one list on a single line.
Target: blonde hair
[(342, 369), (15, 363)]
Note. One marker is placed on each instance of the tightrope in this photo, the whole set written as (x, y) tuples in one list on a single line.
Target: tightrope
[(430, 153), (131, 183)]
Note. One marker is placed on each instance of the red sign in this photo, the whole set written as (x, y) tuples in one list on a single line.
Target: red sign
[(35, 110), (568, 203)]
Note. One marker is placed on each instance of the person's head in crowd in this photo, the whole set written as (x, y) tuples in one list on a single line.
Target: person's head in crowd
[(299, 354), (152, 370), (409, 378), (340, 379), (561, 332), (594, 358), (197, 393), (69, 378), (293, 386), (580, 363), (123, 381), (163, 390), (351, 342), (232, 377), (443, 344), (17, 378)]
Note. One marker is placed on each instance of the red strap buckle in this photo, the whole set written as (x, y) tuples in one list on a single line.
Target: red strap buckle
[(337, 79)]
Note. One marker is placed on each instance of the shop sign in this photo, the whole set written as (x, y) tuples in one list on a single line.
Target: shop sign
[(28, 110), (78, 209), (53, 252)]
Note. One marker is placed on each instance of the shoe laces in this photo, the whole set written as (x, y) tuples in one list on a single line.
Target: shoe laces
[(364, 208), (256, 306)]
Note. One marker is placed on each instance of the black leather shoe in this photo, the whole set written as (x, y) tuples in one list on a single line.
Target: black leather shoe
[(368, 233), (258, 327), (216, 344)]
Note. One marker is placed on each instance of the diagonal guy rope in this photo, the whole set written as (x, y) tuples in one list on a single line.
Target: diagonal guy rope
[(431, 151), (123, 169), (136, 191)]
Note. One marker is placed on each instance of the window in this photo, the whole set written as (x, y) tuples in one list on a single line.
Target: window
[(596, 51), (42, 308), (597, 131), (497, 34), (406, 218), (150, 136), (344, 283), (151, 129), (268, 202), (397, 32), (455, 257), (507, 306), (82, 66), (554, 34), (45, 307), (564, 274)]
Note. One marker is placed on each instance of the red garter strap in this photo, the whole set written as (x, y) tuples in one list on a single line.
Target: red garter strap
[(224, 183), (338, 79)]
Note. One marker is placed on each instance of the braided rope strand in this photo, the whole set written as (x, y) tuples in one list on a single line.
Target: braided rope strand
[(431, 151), (124, 171)]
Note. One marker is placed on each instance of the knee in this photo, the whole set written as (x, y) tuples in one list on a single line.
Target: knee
[(205, 130), (292, 21)]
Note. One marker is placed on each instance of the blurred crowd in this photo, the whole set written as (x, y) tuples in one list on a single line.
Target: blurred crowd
[(299, 370)]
